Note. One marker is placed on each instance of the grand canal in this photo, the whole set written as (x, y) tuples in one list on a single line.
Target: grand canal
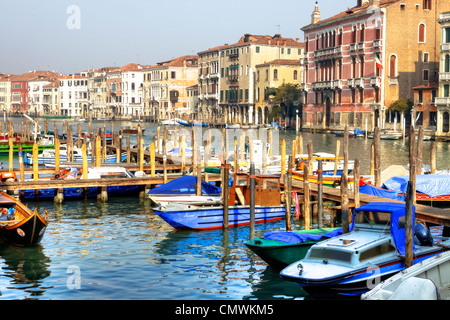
[(122, 250)]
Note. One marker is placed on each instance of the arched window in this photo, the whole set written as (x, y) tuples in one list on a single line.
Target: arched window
[(393, 66), (295, 75), (275, 74), (422, 31), (362, 36)]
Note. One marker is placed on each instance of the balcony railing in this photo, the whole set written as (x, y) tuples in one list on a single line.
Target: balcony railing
[(442, 101), (444, 76), (445, 47), (351, 82), (375, 81)]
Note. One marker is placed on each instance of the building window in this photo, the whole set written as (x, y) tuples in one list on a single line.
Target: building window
[(447, 63), (257, 50), (447, 35), (295, 75), (362, 37), (173, 74), (433, 118), (275, 74), (426, 75), (393, 66), (426, 57), (445, 124), (422, 30), (427, 4), (446, 91)]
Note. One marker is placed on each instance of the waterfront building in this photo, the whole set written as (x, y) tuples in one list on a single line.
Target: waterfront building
[(73, 95), (132, 91), (5, 93), (37, 80), (238, 63), (50, 99), (362, 60), (166, 86), (424, 112), (193, 102), (273, 74), (98, 92), (208, 83), (114, 91), (443, 100)]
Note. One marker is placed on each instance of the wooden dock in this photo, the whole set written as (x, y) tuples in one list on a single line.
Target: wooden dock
[(425, 213)]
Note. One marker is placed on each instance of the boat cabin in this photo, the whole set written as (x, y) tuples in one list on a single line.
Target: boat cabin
[(267, 190)]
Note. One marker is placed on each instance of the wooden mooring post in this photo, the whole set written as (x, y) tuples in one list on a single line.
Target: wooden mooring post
[(409, 233), (320, 193), (252, 200), (344, 187), (288, 194)]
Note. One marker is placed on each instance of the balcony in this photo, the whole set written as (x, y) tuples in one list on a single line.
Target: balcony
[(442, 102), (375, 81), (351, 83), (359, 82), (353, 47), (337, 84), (321, 85), (377, 44), (360, 46), (444, 76), (233, 77), (445, 47)]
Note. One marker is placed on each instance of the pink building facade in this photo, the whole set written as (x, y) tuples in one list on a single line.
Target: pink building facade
[(342, 79)]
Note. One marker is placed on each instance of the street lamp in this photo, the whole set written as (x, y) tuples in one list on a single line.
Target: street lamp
[(296, 120)]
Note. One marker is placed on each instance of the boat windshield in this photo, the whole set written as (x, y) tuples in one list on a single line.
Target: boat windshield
[(373, 218), (330, 254)]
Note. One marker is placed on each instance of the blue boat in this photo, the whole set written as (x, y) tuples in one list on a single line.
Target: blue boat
[(353, 263), (185, 216), (184, 189), (268, 206), (91, 192)]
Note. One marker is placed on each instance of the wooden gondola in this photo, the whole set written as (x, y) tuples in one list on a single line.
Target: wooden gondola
[(22, 227)]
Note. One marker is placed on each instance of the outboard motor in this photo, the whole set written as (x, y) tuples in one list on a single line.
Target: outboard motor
[(423, 235)]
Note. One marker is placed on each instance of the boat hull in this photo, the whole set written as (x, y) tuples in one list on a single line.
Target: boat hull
[(278, 254), (79, 193), (199, 218), (356, 282), (26, 233)]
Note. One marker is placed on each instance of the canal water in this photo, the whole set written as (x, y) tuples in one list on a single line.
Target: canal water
[(122, 250)]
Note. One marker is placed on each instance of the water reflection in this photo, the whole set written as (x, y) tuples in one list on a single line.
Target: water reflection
[(24, 269)]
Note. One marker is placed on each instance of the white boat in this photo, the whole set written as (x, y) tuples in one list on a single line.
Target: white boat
[(48, 156), (184, 190), (426, 280)]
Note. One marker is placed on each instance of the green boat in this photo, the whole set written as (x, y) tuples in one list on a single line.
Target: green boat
[(282, 248), (4, 148)]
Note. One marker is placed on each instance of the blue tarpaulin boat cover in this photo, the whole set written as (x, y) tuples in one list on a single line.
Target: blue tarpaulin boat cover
[(185, 185), (431, 184), (374, 191), (299, 237), (357, 131), (398, 212)]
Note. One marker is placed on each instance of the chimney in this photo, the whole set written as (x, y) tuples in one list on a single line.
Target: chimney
[(315, 17), (360, 3)]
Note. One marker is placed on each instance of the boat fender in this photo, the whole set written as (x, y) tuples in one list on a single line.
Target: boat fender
[(423, 235)]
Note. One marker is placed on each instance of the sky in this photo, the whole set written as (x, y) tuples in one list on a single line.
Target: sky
[(76, 35)]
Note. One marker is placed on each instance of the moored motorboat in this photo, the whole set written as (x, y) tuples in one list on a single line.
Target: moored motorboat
[(268, 206), (104, 172), (19, 225), (184, 190), (281, 248), (374, 250)]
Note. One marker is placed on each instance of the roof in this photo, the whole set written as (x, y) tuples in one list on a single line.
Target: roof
[(276, 40), (131, 67), (183, 61), (284, 62), (37, 76), (350, 12)]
